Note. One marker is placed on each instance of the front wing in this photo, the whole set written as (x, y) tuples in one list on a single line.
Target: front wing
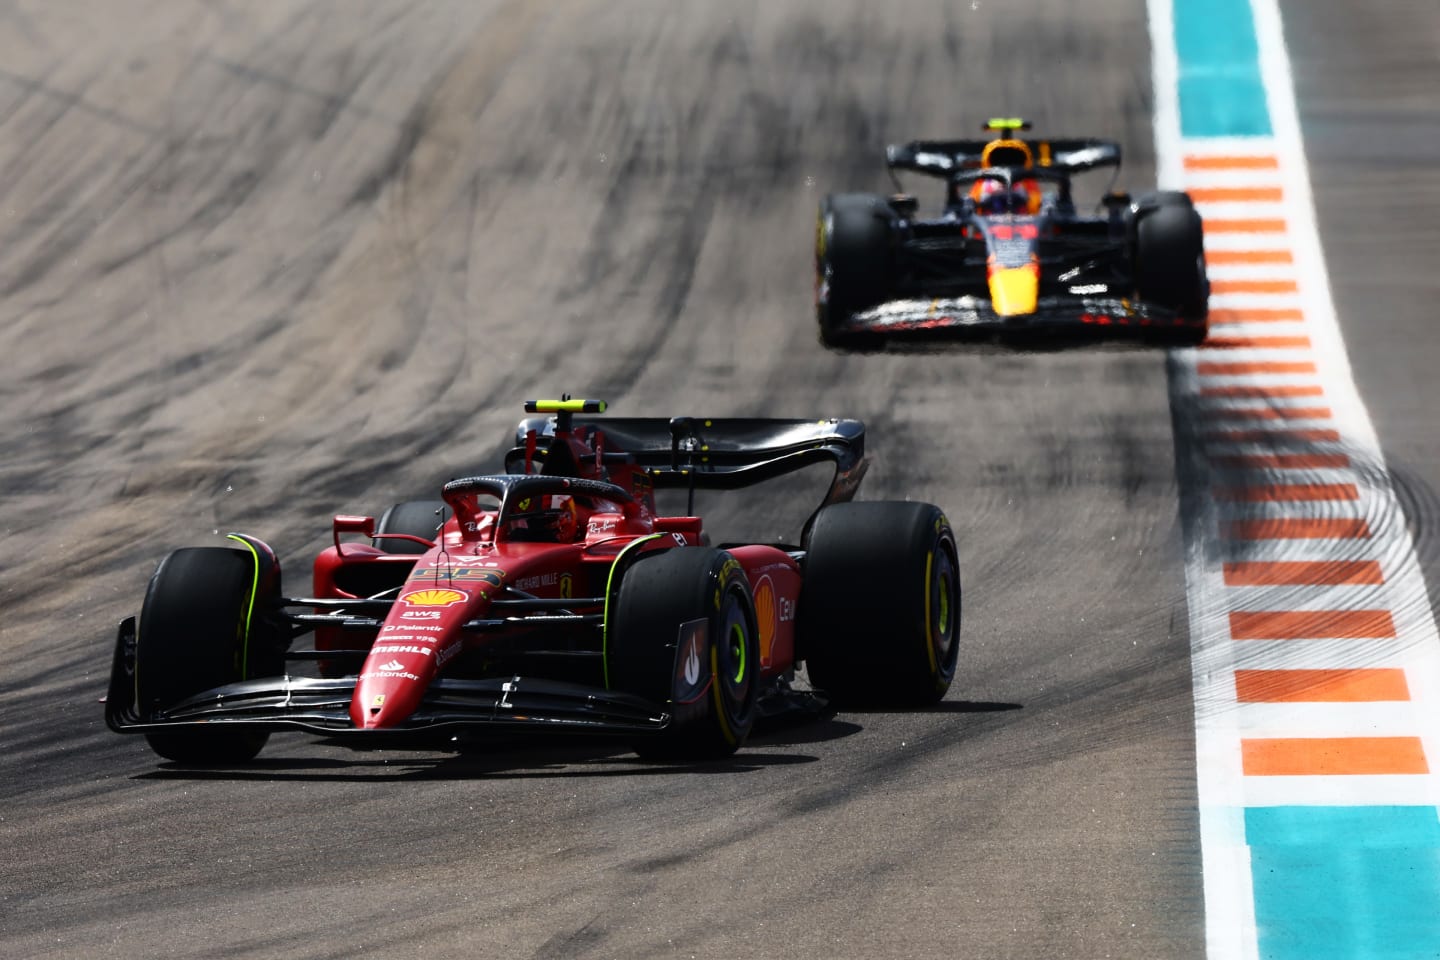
[(323, 706), (1057, 317)]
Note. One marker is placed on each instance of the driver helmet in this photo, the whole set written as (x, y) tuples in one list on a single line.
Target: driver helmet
[(1024, 195), (992, 196), (547, 519)]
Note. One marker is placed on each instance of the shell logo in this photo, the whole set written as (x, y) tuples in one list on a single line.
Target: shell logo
[(433, 598), (765, 615)]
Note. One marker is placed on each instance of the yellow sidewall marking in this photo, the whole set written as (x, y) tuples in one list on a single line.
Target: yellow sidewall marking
[(719, 696), (929, 634), (249, 607)]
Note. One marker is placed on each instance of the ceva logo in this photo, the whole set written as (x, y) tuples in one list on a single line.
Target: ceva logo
[(692, 665)]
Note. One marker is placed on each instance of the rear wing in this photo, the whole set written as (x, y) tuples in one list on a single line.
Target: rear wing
[(944, 158), (716, 453)]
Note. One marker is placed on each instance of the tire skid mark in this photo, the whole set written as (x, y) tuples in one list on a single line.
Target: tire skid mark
[(75, 411), (332, 105), (66, 101)]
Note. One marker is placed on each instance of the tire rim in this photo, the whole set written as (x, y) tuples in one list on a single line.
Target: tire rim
[(944, 609), (733, 656)]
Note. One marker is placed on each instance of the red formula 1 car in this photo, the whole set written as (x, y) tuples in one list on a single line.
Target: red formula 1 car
[(554, 597)]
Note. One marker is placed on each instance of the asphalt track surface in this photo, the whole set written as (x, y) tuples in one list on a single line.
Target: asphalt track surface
[(263, 263), (1366, 80)]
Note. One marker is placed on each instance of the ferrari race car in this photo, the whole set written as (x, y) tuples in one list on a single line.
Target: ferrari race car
[(1009, 256), (554, 597)]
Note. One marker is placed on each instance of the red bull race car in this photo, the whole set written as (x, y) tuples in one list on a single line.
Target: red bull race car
[(554, 597), (1009, 256)]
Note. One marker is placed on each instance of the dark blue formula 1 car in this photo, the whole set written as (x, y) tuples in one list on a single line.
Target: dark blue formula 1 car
[(1009, 256)]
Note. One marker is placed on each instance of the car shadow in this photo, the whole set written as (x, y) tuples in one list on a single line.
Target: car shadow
[(1006, 345), (554, 759), (944, 706), (473, 763)]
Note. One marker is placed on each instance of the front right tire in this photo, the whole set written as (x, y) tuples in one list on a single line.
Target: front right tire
[(854, 264), (198, 630)]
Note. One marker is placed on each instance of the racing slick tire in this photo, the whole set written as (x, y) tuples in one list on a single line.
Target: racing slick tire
[(854, 264), (418, 518), (665, 602), (899, 645), (197, 631), (1168, 241)]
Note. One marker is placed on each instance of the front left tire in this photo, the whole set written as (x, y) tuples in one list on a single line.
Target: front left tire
[(1168, 239), (684, 634)]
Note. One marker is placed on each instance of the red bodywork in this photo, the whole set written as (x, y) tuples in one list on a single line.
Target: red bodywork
[(474, 563)]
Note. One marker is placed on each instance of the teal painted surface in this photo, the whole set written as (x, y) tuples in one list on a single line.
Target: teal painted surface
[(1345, 882), (1221, 91)]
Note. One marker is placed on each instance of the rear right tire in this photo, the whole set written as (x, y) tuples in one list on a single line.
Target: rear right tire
[(898, 643), (418, 518)]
